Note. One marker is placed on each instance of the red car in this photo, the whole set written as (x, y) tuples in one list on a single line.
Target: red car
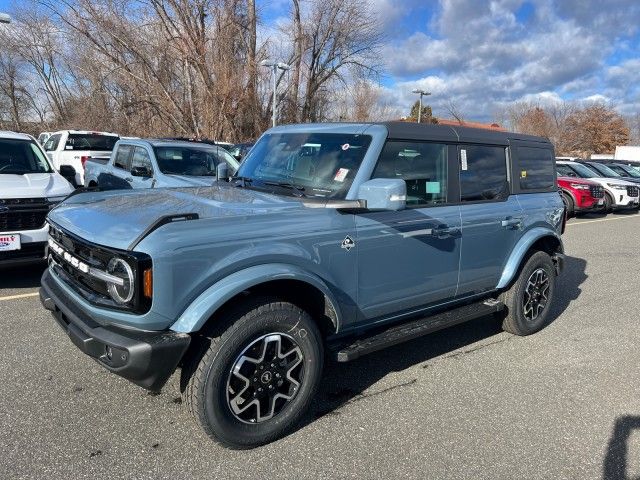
[(580, 195)]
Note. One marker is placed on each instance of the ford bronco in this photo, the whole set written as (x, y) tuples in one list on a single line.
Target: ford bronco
[(332, 240)]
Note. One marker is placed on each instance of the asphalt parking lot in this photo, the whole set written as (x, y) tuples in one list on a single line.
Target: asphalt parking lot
[(468, 402)]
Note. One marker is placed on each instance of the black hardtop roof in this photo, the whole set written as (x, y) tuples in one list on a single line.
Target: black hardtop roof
[(425, 131)]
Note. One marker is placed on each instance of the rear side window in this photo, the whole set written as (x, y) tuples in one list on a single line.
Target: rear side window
[(483, 173), (52, 144), (82, 141), (423, 167), (122, 157), (535, 168)]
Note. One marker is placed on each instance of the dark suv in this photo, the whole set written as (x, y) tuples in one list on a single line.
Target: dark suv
[(332, 240)]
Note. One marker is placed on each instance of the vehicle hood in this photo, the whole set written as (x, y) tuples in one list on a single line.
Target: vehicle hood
[(120, 218), (33, 185), (603, 181), (581, 181)]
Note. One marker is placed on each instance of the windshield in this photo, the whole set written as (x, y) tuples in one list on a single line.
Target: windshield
[(194, 161), (626, 171), (19, 157), (585, 172), (321, 164), (604, 170), (93, 141)]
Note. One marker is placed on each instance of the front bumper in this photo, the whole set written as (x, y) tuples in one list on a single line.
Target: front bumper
[(146, 358), (625, 201), (32, 248)]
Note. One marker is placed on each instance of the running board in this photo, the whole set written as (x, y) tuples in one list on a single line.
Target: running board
[(412, 329)]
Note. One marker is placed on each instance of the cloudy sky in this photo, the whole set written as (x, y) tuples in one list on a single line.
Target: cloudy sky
[(481, 54)]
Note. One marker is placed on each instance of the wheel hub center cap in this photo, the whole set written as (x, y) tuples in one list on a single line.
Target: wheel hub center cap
[(266, 377)]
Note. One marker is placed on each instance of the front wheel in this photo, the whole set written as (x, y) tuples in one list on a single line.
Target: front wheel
[(568, 205), (608, 202), (256, 380), (528, 301)]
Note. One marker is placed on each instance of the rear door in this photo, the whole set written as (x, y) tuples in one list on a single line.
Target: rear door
[(409, 259), (118, 175), (492, 219), (50, 146)]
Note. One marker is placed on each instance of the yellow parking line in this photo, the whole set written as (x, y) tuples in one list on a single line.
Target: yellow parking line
[(600, 220), (15, 297)]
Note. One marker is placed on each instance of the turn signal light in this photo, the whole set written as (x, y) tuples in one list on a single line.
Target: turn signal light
[(147, 283)]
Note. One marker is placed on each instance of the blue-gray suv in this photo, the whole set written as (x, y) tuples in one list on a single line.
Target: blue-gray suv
[(332, 240)]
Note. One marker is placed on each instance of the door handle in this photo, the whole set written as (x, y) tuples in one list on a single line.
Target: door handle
[(129, 179), (512, 223), (445, 231)]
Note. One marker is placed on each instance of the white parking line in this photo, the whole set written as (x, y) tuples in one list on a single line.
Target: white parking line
[(601, 220), (15, 297)]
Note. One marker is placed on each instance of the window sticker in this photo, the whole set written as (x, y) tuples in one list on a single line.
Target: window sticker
[(433, 187), (523, 174), (463, 159), (341, 174)]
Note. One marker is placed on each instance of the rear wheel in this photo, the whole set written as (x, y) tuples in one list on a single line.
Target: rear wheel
[(256, 379), (529, 299)]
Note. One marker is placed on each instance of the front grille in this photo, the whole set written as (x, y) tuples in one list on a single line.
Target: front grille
[(632, 191), (23, 213), (597, 191)]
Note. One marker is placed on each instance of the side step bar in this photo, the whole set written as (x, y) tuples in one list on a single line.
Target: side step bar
[(345, 352)]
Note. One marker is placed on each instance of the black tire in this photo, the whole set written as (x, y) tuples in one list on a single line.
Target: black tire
[(568, 205), (209, 389), (517, 319), (608, 203)]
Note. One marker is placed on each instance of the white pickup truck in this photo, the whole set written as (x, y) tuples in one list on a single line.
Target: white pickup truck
[(75, 147)]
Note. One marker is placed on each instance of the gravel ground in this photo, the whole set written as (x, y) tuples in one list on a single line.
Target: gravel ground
[(467, 402)]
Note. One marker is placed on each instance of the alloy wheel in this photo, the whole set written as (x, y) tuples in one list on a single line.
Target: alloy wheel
[(536, 294)]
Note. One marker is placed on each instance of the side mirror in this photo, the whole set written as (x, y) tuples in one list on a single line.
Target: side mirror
[(68, 172), (222, 171), (384, 194), (141, 171)]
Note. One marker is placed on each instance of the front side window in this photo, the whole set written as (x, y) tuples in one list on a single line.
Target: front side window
[(604, 170), (483, 173), (195, 161), (536, 170), (423, 167), (141, 159), (565, 170), (20, 157), (585, 172), (92, 141), (316, 164)]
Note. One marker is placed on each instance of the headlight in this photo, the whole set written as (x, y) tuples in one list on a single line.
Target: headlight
[(617, 187), (57, 199), (579, 186), (121, 269)]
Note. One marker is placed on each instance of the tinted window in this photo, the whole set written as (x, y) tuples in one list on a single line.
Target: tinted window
[(122, 157), (483, 173), (141, 158), (19, 157), (565, 170), (52, 143), (82, 141), (536, 168), (423, 166)]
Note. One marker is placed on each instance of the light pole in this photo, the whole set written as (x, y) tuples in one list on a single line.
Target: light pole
[(421, 93), (5, 18), (274, 66)]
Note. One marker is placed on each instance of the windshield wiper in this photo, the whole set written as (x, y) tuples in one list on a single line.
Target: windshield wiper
[(297, 189), (244, 181)]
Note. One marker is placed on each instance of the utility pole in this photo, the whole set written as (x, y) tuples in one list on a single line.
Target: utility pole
[(274, 66), (421, 93)]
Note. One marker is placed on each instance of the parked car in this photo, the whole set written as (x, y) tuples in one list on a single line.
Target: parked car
[(75, 147), (29, 188), (618, 194), (607, 172), (624, 170), (580, 196), (158, 163), (240, 150), (382, 233)]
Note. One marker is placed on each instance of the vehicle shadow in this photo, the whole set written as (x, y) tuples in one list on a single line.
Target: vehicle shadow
[(23, 276), (615, 461), (346, 383)]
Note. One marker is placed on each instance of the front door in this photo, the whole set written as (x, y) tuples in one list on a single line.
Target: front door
[(409, 259)]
